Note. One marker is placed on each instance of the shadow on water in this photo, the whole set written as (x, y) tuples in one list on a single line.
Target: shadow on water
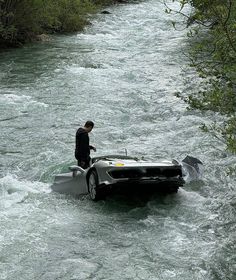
[(136, 207), (133, 201)]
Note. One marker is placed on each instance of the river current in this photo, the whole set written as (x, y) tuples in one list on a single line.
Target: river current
[(123, 72)]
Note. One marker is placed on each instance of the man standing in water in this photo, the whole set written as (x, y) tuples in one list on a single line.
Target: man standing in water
[(82, 147)]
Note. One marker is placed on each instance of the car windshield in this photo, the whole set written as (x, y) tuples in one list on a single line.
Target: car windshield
[(114, 157)]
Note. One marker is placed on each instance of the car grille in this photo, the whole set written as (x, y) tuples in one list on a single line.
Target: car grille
[(132, 173)]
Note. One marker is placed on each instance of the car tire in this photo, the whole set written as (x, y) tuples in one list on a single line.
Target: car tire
[(93, 186)]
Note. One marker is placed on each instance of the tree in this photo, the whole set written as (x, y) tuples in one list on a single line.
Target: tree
[(212, 30), (23, 20)]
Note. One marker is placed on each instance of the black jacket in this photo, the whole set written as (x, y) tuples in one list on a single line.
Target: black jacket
[(82, 148)]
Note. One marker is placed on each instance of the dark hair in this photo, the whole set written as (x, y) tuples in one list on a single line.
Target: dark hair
[(89, 124)]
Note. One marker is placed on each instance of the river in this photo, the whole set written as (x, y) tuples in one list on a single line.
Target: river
[(123, 72)]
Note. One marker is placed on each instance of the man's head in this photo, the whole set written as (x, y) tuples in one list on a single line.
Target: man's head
[(89, 126)]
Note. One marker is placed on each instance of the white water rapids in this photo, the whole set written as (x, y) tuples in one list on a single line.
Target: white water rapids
[(122, 72)]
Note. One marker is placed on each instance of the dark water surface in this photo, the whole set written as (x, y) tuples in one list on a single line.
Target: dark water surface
[(123, 72)]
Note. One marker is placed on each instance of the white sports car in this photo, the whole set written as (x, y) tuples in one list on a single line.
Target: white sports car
[(123, 174)]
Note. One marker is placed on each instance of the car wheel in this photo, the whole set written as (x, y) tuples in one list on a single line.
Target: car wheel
[(92, 186)]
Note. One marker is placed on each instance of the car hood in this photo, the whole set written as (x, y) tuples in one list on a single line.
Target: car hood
[(132, 163)]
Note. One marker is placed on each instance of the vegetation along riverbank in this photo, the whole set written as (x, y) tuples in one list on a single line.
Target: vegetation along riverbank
[(24, 21), (212, 36)]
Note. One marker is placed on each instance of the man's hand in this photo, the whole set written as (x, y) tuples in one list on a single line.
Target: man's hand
[(93, 148)]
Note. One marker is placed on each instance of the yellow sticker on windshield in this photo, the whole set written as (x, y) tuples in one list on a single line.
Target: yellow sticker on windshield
[(119, 164)]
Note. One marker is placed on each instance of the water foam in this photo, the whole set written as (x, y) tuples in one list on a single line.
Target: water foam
[(14, 190), (14, 99)]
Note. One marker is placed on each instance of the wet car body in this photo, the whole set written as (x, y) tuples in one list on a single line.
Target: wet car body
[(120, 174)]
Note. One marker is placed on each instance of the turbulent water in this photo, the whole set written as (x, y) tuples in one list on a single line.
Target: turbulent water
[(123, 73)]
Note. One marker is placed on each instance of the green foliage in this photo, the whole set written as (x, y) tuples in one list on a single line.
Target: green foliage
[(213, 54), (21, 21), (72, 15), (230, 133)]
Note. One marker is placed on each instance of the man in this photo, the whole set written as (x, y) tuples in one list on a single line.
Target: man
[(82, 147)]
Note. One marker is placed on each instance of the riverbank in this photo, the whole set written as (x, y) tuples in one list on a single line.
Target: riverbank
[(212, 52), (29, 21)]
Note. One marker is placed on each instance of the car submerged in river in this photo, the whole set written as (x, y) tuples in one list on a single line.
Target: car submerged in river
[(115, 174)]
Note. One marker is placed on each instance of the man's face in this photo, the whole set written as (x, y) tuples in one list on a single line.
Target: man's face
[(90, 129)]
